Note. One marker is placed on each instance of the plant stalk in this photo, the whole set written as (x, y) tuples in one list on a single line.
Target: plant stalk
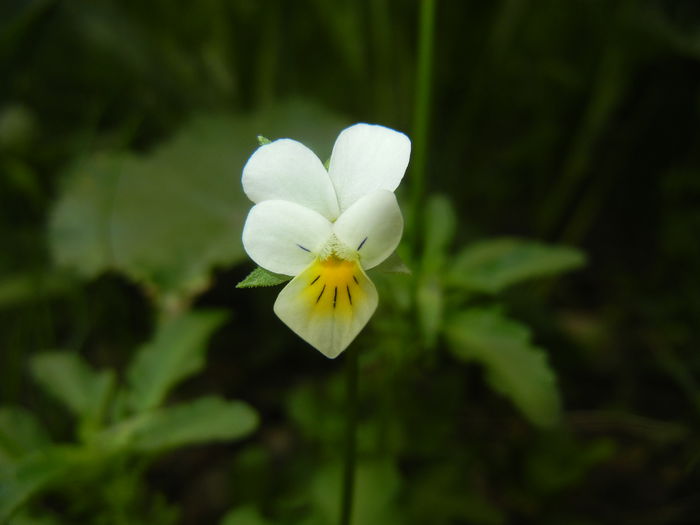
[(348, 486), (421, 112)]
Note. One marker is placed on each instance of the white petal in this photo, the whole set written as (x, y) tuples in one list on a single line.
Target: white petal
[(328, 304), (284, 237), (287, 170), (366, 158), (372, 226)]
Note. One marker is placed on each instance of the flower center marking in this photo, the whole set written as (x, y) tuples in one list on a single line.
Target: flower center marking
[(319, 295), (337, 274)]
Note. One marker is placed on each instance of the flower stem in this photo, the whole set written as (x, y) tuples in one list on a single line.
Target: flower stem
[(421, 111), (348, 486)]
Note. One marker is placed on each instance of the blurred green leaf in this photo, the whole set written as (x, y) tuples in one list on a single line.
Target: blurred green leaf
[(244, 516), (514, 366), (492, 265), (261, 277), (32, 474), (65, 376), (175, 353), (20, 433), (200, 421), (80, 230), (164, 219), (167, 218)]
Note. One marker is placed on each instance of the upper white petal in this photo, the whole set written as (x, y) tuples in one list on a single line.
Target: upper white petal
[(283, 237), (366, 158), (372, 226), (287, 170)]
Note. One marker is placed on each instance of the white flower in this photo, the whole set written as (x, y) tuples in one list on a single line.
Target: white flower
[(326, 227)]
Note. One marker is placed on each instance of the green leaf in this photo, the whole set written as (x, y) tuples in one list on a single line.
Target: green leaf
[(261, 277), (32, 474), (80, 229), (66, 377), (263, 140), (20, 433), (514, 366), (247, 515), (200, 421), (175, 353), (492, 265), (166, 219)]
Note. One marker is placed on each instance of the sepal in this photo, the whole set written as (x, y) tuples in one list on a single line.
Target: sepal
[(260, 277)]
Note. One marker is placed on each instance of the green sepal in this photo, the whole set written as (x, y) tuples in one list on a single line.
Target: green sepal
[(261, 277), (263, 140)]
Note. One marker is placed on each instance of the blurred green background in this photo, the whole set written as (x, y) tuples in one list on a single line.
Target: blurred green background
[(138, 385)]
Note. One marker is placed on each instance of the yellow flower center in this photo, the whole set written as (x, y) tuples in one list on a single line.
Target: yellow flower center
[(335, 285)]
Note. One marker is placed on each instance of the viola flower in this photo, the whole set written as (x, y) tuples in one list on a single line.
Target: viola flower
[(326, 227)]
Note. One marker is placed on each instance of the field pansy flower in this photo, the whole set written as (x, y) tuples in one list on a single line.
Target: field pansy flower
[(326, 227)]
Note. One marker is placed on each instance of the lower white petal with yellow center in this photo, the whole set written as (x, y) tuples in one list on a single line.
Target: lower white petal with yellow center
[(328, 303)]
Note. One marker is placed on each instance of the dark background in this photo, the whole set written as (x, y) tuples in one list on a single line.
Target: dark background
[(572, 122)]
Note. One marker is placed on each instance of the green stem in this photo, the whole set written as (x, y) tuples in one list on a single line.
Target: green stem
[(348, 487), (421, 115)]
